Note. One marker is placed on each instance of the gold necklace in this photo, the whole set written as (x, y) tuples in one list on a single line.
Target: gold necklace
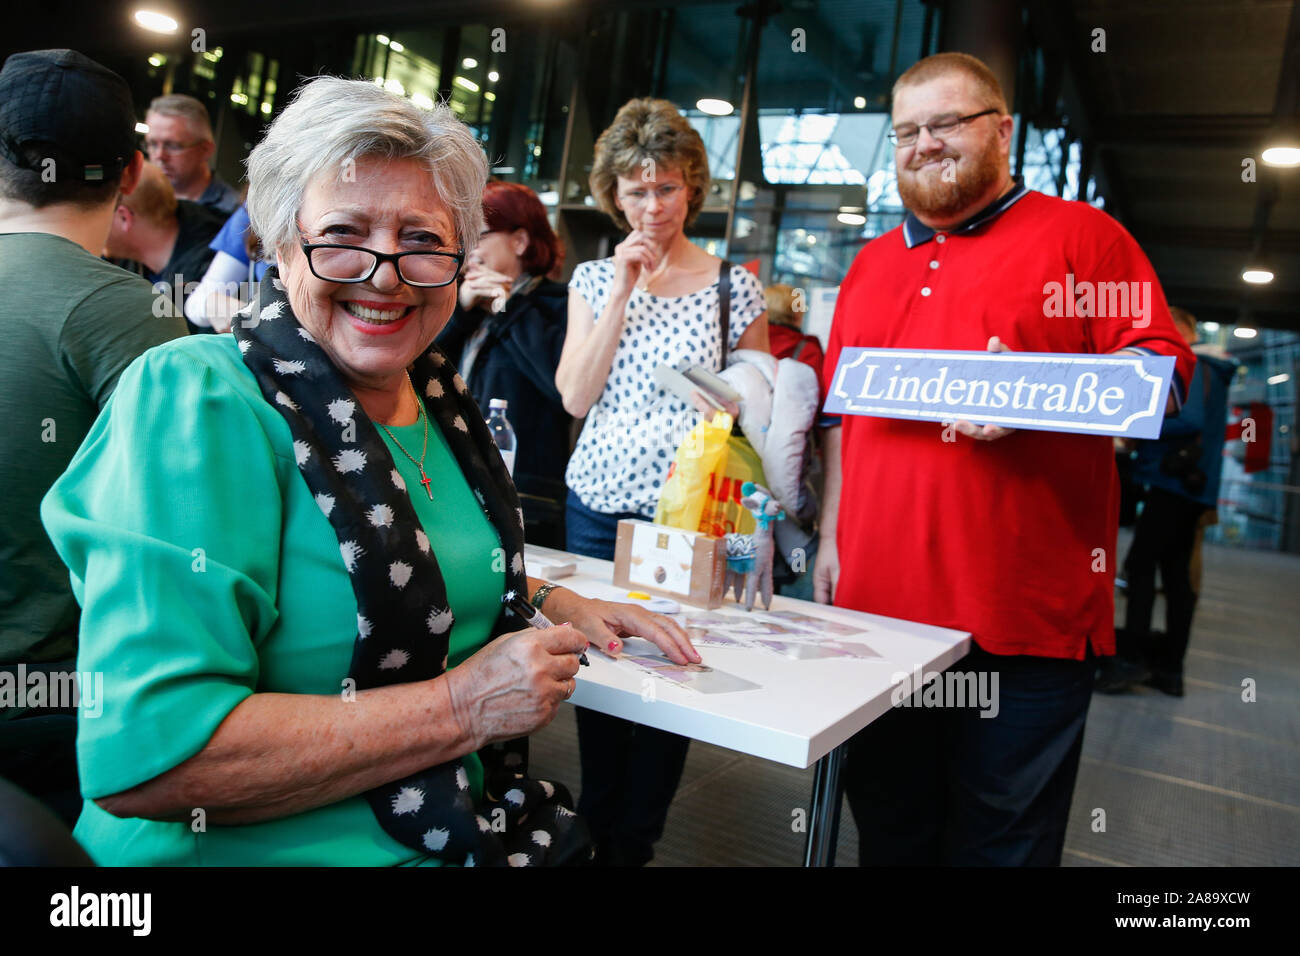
[(420, 413)]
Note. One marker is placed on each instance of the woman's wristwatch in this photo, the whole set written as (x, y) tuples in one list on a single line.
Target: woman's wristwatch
[(541, 594)]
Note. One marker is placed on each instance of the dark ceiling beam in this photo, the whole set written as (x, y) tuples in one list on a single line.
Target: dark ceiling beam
[(96, 25), (1054, 27), (1231, 314), (1263, 301), (1242, 131), (1286, 109), (1282, 241), (827, 63)]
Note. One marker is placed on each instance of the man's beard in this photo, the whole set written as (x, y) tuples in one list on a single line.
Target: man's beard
[(929, 195)]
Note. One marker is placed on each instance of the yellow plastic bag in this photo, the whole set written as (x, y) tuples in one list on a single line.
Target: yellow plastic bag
[(723, 513), (686, 490)]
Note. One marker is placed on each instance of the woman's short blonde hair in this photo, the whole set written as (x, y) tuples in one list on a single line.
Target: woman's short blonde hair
[(647, 129), (330, 125)]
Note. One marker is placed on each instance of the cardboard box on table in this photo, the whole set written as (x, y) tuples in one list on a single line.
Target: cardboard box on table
[(685, 565)]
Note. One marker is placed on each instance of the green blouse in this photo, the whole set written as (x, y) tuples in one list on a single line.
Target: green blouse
[(206, 573)]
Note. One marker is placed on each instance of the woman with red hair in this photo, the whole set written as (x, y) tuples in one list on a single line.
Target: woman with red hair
[(506, 336)]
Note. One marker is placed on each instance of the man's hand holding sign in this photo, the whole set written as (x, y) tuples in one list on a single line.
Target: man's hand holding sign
[(986, 432)]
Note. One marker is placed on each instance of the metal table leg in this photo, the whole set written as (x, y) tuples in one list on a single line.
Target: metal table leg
[(824, 820)]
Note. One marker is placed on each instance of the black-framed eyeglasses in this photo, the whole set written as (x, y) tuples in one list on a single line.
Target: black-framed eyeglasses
[(334, 262), (939, 127)]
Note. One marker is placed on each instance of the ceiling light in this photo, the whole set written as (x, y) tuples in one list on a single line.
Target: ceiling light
[(714, 107), (155, 60), (859, 102), (493, 76), (157, 22), (469, 63), (1244, 332), (1210, 326), (142, 129), (1257, 276), (812, 240), (1282, 155), (383, 40), (396, 47), (852, 218), (466, 84), (1278, 379)]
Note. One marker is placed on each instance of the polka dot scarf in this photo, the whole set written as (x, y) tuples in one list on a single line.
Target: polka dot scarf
[(404, 622)]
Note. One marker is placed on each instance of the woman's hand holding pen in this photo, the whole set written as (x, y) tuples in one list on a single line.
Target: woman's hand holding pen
[(515, 685)]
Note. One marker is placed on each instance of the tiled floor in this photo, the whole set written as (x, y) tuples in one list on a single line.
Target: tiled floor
[(1209, 779)]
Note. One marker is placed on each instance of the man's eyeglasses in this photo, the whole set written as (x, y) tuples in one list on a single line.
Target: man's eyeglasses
[(939, 127), (339, 263), (665, 194), (168, 146)]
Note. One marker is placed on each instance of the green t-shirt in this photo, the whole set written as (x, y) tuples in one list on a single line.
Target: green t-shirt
[(207, 572), (72, 322)]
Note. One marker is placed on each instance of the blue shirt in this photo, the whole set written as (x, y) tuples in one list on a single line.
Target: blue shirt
[(1205, 413), (220, 196), (230, 240)]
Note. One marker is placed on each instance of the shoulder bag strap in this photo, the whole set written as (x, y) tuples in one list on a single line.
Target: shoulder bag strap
[(724, 310)]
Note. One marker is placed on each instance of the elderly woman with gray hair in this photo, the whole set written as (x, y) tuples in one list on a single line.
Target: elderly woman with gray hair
[(292, 545)]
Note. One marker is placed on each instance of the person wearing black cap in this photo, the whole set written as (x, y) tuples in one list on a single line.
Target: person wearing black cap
[(72, 322)]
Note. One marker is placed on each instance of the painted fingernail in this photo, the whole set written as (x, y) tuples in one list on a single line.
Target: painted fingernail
[(613, 645)]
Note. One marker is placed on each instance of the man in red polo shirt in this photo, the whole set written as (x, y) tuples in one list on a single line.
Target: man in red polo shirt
[(1007, 534)]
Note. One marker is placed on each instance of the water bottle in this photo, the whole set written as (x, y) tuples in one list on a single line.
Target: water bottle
[(499, 426)]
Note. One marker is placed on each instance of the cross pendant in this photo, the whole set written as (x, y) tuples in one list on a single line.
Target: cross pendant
[(426, 481)]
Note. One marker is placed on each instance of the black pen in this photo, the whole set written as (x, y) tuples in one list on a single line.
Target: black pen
[(535, 618)]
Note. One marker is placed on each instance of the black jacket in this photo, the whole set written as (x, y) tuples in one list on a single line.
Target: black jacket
[(517, 362)]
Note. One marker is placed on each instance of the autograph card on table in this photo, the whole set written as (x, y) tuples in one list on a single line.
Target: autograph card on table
[(815, 650), (706, 680), (706, 637), (1115, 395), (821, 625)]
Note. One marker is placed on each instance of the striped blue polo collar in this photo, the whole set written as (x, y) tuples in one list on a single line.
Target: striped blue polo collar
[(916, 232)]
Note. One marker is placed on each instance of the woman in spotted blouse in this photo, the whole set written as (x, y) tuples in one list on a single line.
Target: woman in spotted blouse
[(655, 301)]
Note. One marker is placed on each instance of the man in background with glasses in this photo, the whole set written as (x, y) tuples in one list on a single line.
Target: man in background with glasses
[(180, 143), (1009, 535)]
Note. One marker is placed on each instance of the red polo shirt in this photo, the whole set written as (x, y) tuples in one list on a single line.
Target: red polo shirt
[(1014, 539)]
